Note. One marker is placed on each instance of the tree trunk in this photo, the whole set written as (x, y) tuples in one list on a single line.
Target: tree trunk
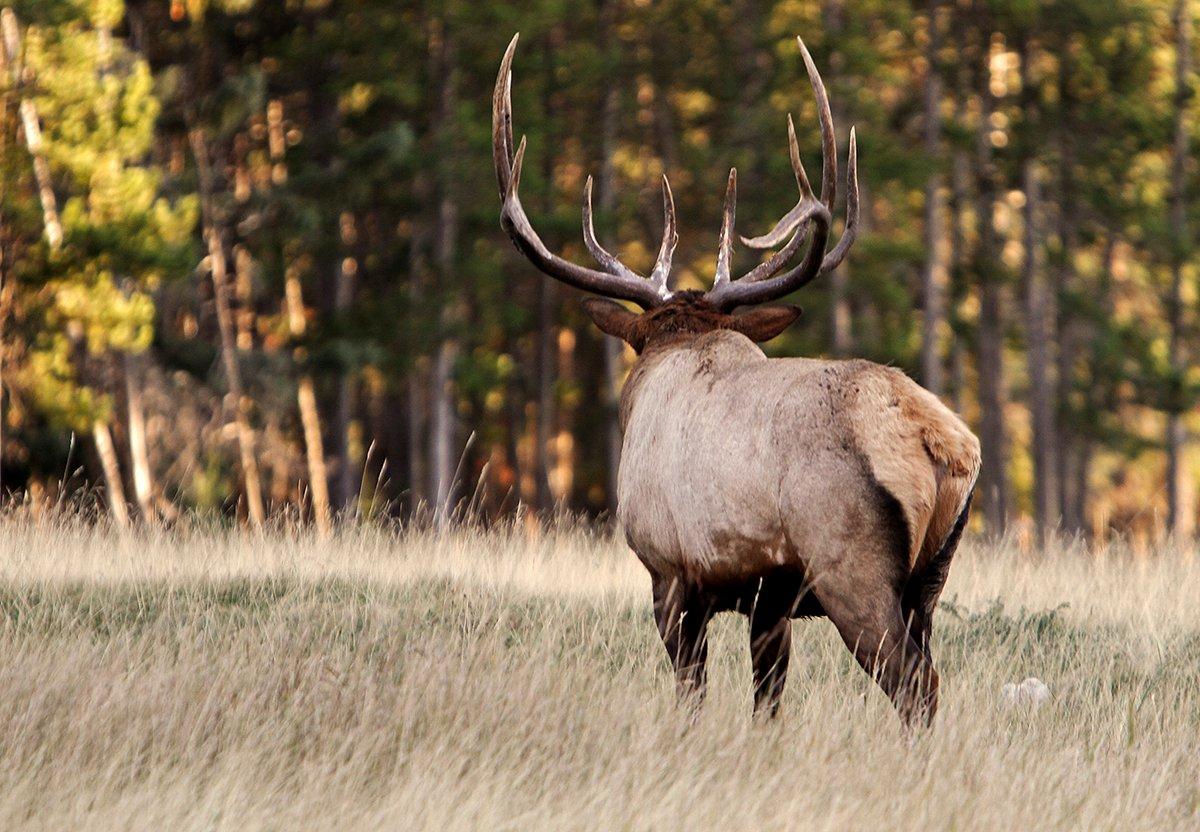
[(131, 365), (218, 270), (1080, 469), (1040, 316), (5, 289), (606, 198), (1072, 450), (143, 483), (1101, 391), (306, 402), (415, 414), (5, 282), (31, 125), (841, 322), (443, 458), (993, 479), (565, 447), (934, 273), (1180, 493), (612, 428), (243, 266), (306, 396), (442, 432), (546, 365), (959, 262), (959, 255), (547, 311), (33, 138), (102, 438), (417, 385), (345, 474)]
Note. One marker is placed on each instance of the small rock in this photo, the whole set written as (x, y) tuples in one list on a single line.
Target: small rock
[(1032, 692)]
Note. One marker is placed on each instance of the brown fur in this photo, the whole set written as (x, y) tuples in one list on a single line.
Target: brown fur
[(686, 314), (786, 487)]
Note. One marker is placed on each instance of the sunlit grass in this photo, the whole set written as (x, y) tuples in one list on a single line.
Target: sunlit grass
[(216, 680)]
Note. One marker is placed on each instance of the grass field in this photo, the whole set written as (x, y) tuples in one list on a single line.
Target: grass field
[(211, 680)]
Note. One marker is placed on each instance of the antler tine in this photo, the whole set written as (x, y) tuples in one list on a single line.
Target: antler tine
[(834, 258), (611, 264), (662, 266), (793, 220), (725, 251), (797, 165), (619, 282), (828, 136), (795, 216), (502, 133), (828, 161), (761, 283), (796, 219)]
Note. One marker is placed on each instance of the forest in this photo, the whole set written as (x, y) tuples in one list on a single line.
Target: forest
[(251, 263)]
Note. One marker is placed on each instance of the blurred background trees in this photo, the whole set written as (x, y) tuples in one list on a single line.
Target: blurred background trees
[(251, 261)]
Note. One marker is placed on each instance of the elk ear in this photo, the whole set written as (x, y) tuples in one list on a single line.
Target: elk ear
[(613, 319), (766, 322)]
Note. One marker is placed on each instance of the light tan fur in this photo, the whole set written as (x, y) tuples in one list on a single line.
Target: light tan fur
[(919, 451), (734, 463)]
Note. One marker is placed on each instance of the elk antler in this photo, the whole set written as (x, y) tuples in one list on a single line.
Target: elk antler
[(617, 280), (760, 284), (763, 283)]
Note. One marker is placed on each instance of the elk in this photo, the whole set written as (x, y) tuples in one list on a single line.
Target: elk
[(779, 488)]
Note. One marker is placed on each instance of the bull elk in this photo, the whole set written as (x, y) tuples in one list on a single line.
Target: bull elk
[(780, 488)]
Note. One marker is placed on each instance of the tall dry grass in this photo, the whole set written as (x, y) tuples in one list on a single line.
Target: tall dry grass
[(211, 680)]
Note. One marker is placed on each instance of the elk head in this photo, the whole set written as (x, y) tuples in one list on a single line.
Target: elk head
[(669, 314)]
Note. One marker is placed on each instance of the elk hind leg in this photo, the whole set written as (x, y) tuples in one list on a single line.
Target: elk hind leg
[(682, 620), (873, 628), (925, 587)]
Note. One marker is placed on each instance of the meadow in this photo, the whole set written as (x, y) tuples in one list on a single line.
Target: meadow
[(387, 679)]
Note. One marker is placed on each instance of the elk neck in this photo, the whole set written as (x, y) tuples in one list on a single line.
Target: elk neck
[(718, 344)]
